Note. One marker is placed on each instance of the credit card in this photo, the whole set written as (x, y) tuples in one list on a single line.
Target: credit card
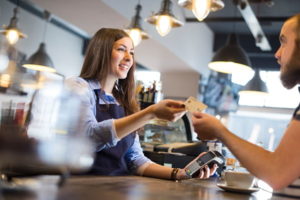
[(193, 105)]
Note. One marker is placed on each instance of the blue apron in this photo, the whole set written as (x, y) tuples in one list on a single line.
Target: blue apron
[(111, 161)]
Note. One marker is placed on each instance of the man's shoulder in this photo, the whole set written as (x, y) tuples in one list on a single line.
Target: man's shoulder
[(296, 114)]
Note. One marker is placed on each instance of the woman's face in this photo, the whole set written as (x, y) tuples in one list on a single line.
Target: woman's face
[(122, 58)]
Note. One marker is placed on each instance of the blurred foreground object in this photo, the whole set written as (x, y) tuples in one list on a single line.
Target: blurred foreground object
[(44, 135), (40, 130)]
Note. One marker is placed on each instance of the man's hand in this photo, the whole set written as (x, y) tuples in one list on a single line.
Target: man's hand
[(207, 127)]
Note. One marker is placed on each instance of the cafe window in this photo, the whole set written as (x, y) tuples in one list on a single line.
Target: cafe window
[(147, 77), (264, 126), (278, 96)]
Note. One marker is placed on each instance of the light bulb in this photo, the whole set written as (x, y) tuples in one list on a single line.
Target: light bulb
[(201, 8), (163, 25), (136, 36), (12, 36)]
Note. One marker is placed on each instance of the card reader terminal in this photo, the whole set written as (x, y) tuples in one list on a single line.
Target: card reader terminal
[(210, 158)]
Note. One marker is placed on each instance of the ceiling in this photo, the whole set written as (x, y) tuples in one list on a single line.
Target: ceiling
[(270, 13), (188, 48)]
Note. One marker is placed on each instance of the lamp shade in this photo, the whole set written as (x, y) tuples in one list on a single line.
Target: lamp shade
[(164, 19), (135, 29), (201, 8), (40, 60), (12, 32), (217, 5), (255, 86), (231, 58)]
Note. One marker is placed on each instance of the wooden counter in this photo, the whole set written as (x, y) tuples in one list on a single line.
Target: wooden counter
[(125, 188)]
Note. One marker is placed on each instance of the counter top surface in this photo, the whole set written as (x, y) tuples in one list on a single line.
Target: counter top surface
[(122, 187)]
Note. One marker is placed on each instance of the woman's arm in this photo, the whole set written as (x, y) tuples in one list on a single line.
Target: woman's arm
[(102, 133), (167, 109), (156, 171), (159, 171), (107, 133)]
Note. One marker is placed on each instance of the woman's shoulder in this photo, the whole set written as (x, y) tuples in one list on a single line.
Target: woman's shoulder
[(77, 83), (81, 82), (75, 80)]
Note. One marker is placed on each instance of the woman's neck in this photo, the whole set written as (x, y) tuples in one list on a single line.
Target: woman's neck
[(108, 86)]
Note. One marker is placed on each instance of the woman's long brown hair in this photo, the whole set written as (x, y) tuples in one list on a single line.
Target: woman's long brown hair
[(97, 64)]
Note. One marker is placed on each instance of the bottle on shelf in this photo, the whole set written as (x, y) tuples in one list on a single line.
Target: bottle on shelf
[(140, 95)]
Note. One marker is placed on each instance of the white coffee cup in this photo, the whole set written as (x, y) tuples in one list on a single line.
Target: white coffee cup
[(239, 179)]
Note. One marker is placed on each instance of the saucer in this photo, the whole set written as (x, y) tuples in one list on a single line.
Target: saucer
[(237, 189)]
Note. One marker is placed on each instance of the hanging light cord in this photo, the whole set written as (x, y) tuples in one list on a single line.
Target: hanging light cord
[(235, 16), (47, 19), (138, 8), (16, 10), (14, 19)]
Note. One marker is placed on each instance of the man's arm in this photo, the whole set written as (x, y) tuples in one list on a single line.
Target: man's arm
[(278, 168)]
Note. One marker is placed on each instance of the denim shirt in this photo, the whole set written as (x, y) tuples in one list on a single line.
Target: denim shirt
[(103, 133)]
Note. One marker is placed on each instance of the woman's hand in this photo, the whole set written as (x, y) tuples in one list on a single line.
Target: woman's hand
[(204, 173), (167, 109), (207, 172), (170, 110)]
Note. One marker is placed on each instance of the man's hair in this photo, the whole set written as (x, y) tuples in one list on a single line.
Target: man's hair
[(297, 29)]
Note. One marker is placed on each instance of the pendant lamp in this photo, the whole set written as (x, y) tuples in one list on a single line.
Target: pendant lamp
[(255, 86), (12, 76), (4, 57), (8, 63), (201, 8), (164, 20), (12, 32), (231, 58), (135, 29), (40, 60)]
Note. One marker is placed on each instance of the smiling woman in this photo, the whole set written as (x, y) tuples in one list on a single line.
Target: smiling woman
[(122, 58), (112, 116), (110, 49)]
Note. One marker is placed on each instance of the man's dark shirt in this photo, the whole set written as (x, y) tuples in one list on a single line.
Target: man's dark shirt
[(296, 114)]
